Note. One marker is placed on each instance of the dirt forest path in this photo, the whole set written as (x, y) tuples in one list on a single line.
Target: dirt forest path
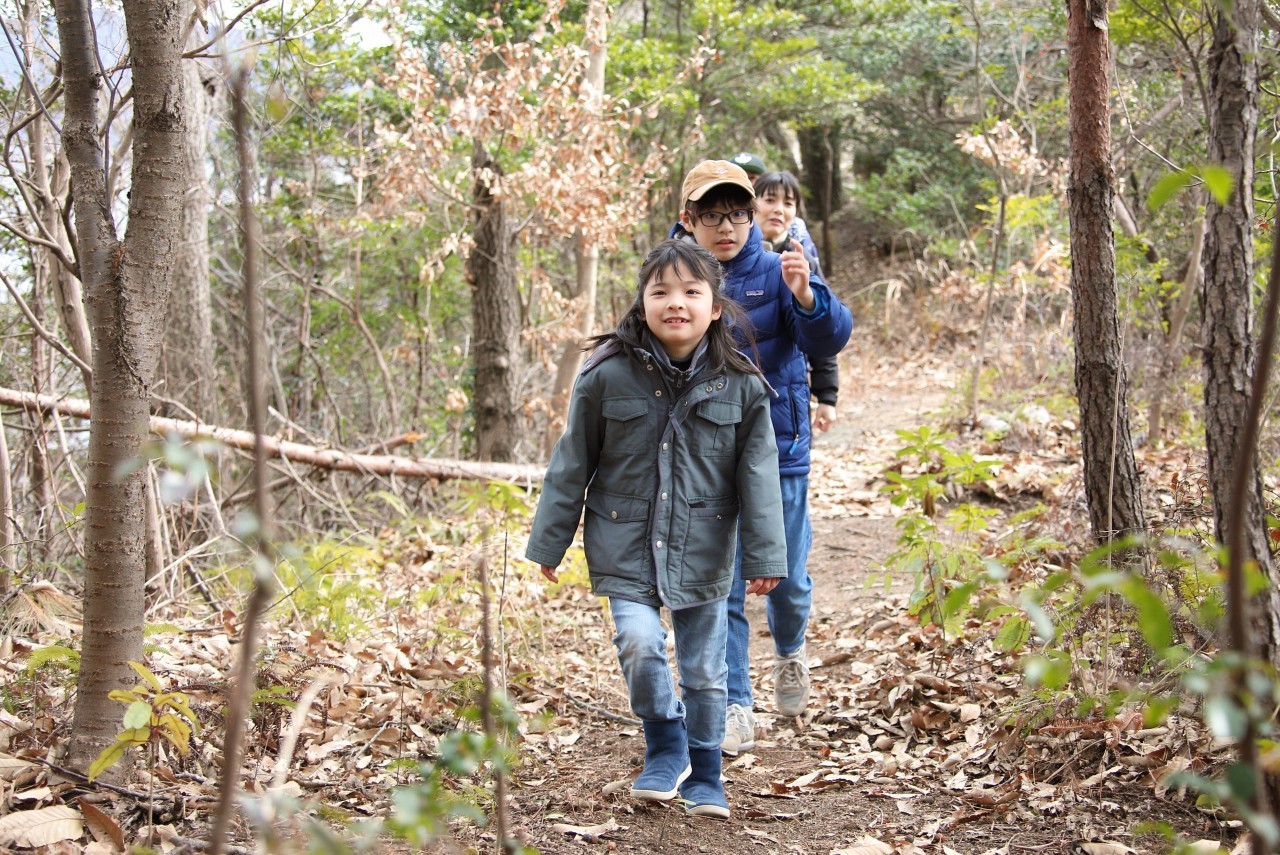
[(913, 742)]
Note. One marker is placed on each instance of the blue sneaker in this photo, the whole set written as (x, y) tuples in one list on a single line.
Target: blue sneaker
[(703, 793), (666, 761)]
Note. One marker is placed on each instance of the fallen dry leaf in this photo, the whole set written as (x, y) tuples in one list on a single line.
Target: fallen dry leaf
[(103, 828), (590, 833), (1100, 847), (866, 845), (43, 827)]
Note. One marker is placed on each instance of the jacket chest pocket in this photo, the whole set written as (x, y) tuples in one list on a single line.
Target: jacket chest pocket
[(626, 425), (715, 429)]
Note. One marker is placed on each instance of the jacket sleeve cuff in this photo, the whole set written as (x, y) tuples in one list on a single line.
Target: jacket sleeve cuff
[(764, 571), (543, 556), (819, 303)]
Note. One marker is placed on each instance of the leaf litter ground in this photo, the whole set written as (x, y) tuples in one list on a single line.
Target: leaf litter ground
[(914, 741), (911, 742)]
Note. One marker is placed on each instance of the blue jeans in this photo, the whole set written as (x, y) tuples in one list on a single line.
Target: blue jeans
[(787, 606), (641, 640)]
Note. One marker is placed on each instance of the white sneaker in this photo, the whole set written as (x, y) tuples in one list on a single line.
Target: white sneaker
[(739, 730), (791, 683)]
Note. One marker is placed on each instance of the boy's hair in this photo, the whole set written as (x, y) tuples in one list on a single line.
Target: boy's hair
[(785, 182), (730, 194), (722, 350)]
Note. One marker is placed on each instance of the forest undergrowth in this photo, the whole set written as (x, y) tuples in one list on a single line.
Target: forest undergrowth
[(984, 682)]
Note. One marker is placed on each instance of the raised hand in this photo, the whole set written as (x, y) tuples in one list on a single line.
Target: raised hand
[(795, 272)]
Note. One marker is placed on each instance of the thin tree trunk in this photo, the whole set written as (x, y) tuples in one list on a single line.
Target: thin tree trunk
[(187, 359), (1239, 514), (495, 315), (1112, 487), (1229, 345), (127, 284), (587, 253), (1170, 349), (6, 516)]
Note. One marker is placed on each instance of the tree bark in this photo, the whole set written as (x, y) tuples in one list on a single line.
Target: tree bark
[(188, 330), (495, 314), (1227, 296), (1111, 483), (127, 282)]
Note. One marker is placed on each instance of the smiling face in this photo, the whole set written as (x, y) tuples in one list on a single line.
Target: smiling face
[(679, 309), (775, 209)]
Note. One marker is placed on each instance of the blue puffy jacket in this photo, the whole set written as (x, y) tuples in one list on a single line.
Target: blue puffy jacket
[(784, 334)]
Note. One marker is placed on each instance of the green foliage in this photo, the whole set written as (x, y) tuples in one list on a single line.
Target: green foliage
[(948, 570), (152, 713), (1217, 180), (55, 655), (334, 585)]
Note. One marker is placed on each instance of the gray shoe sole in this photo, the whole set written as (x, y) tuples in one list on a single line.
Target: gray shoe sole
[(713, 811), (663, 795)]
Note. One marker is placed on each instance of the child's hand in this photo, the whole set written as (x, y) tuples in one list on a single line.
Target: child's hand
[(795, 272), (549, 572), (761, 586), (824, 417)]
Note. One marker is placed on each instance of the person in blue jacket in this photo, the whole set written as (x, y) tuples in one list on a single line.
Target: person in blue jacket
[(669, 446), (779, 204), (792, 312)]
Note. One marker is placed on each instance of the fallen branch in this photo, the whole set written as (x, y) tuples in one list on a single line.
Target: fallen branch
[(325, 458)]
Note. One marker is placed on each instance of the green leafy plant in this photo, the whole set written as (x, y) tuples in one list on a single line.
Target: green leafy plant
[(944, 557), (152, 714)]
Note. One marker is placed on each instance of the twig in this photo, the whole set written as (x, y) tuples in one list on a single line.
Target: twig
[(601, 711)]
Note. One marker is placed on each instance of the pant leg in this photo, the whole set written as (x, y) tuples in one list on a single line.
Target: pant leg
[(641, 641), (788, 604), (700, 642), (738, 643)]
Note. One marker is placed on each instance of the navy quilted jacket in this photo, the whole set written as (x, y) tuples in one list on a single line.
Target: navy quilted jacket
[(784, 334)]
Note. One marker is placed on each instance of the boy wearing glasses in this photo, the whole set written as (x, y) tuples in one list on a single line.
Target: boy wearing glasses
[(792, 313)]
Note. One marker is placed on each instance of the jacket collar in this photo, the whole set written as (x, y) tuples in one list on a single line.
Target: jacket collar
[(675, 376)]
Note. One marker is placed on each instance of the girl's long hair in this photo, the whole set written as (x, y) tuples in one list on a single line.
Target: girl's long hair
[(722, 348)]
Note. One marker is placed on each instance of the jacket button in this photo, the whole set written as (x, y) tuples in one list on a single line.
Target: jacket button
[(708, 388), (664, 495), (659, 544), (658, 393), (653, 592), (664, 446), (613, 514)]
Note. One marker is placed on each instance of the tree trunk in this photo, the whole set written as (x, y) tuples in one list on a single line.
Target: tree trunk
[(820, 155), (188, 330), (587, 253), (1229, 344), (495, 315), (127, 284), (1111, 483)]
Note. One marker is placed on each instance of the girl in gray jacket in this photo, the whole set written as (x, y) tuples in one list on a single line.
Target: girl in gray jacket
[(670, 447)]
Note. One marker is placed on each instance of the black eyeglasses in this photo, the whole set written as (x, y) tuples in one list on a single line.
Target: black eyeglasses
[(711, 219)]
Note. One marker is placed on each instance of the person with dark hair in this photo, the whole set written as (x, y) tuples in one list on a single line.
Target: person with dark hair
[(779, 211), (670, 447), (751, 164), (792, 314)]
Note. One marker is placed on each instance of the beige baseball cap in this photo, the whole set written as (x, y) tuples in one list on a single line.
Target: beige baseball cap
[(713, 173)]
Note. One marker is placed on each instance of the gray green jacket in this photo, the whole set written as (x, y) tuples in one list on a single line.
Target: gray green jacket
[(668, 462)]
